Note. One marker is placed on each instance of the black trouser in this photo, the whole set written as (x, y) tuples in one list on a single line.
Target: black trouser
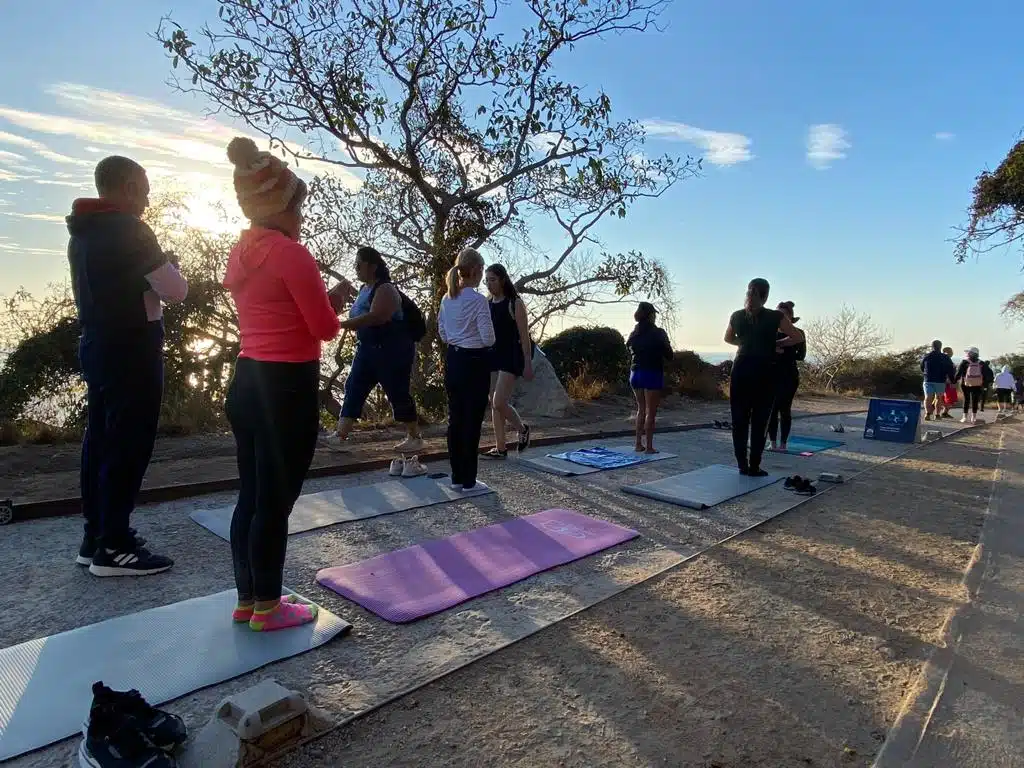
[(467, 380), (124, 376), (275, 417), (972, 398), (787, 383), (751, 396), (984, 396)]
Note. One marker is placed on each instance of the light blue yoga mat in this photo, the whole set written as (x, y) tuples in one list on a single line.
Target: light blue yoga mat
[(702, 488), (598, 459), (800, 445)]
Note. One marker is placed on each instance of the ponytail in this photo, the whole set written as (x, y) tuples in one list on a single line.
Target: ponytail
[(454, 288), (469, 260)]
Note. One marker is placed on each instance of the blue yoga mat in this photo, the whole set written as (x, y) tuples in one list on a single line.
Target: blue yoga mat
[(601, 458), (799, 445)]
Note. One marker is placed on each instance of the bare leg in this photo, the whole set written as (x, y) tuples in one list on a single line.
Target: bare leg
[(641, 418), (653, 398), (497, 420), (345, 427), (502, 413)]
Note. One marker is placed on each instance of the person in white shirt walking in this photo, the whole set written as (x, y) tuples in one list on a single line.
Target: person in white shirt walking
[(1005, 386), (465, 325)]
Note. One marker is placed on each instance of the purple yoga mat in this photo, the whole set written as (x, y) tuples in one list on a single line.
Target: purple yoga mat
[(417, 581)]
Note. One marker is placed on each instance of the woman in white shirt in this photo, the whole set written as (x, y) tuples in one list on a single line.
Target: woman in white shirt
[(464, 324)]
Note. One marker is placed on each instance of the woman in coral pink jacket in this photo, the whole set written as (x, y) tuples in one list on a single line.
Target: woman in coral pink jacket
[(284, 314)]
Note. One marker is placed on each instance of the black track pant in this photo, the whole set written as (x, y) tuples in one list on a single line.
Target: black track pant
[(751, 397), (787, 383), (467, 380), (275, 417)]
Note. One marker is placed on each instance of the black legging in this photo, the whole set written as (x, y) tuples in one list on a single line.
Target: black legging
[(972, 398), (787, 383), (275, 417), (751, 396)]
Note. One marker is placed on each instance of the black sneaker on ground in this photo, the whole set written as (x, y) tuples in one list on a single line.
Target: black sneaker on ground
[(163, 730), (88, 546), (113, 740), (134, 561)]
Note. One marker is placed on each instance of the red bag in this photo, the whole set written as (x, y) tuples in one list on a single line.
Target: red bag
[(951, 395)]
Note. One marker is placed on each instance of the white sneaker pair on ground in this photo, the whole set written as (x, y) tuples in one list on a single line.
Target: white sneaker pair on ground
[(407, 467)]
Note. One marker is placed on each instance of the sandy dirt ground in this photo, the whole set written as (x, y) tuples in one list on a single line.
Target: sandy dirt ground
[(792, 645), (40, 472)]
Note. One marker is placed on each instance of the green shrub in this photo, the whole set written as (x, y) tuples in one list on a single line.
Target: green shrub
[(690, 375), (592, 353)]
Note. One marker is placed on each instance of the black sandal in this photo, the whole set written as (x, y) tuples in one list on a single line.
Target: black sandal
[(494, 453), (524, 438)]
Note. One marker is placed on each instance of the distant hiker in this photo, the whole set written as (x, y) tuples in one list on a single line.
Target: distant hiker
[(1005, 386), (650, 349), (989, 377), (787, 379), (284, 313), (951, 395), (972, 379), (465, 325), (755, 330), (512, 358), (385, 350), (120, 277), (938, 373)]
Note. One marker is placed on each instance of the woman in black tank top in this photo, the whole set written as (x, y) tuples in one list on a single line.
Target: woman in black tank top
[(512, 359), (755, 331)]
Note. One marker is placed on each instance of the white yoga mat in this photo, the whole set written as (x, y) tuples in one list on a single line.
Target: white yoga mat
[(164, 653), (703, 487), (357, 502)]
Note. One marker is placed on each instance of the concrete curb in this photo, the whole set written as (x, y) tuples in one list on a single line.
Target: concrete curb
[(908, 729), (72, 505)]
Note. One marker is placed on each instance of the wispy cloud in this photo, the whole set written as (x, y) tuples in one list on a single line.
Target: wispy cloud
[(719, 147), (945, 136), (102, 121), (16, 248), (826, 143), (34, 216)]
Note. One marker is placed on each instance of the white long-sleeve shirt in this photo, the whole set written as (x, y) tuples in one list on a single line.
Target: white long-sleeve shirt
[(465, 321), (166, 284)]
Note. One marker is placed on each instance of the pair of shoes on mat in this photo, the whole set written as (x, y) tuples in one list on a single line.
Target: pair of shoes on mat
[(124, 731), (88, 547), (722, 424), (408, 467), (800, 485), (837, 428)]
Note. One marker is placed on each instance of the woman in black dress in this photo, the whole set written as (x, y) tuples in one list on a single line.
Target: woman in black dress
[(787, 379), (513, 359), (755, 331)]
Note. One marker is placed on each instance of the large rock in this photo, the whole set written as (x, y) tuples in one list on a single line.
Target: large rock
[(544, 396)]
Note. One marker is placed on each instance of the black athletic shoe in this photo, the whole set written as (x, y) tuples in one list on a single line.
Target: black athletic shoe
[(524, 438), (162, 729), (756, 472), (135, 561), (112, 740), (88, 547)]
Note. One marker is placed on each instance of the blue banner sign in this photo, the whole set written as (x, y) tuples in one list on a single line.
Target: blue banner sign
[(893, 420)]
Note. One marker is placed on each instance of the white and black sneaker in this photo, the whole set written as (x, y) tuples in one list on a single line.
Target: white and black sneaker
[(114, 739), (89, 546), (136, 561)]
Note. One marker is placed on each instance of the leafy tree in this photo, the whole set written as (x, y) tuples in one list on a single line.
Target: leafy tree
[(457, 128), (996, 213), (836, 342)]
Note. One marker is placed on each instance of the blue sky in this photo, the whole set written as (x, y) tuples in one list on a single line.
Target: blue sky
[(841, 142)]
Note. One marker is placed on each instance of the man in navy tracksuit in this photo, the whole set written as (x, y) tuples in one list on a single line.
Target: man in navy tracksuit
[(120, 277)]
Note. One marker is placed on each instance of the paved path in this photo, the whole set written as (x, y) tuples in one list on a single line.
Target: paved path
[(970, 710)]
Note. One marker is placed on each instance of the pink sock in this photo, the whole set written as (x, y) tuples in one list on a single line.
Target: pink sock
[(284, 615)]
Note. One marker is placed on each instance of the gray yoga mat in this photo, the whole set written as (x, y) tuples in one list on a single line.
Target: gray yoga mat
[(703, 487), (163, 652), (356, 502), (564, 468)]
